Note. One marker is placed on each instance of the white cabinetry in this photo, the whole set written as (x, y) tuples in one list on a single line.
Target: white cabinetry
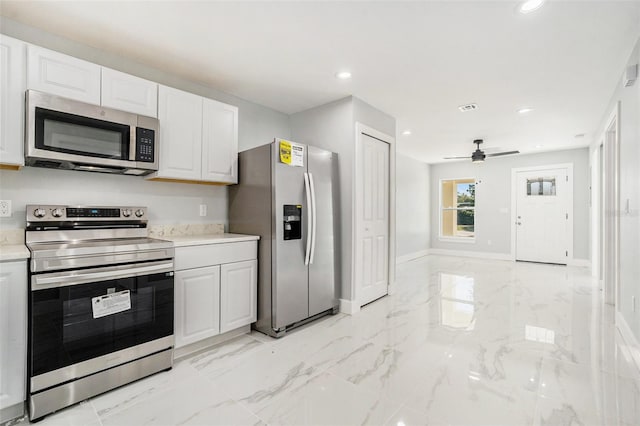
[(198, 138), (63, 75), (12, 87), (219, 142), (180, 116), (13, 338), (197, 291), (238, 294), (129, 93), (215, 289)]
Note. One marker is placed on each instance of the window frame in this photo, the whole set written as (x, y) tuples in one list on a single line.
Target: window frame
[(441, 209)]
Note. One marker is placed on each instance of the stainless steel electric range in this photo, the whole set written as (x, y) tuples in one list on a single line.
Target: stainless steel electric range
[(100, 302)]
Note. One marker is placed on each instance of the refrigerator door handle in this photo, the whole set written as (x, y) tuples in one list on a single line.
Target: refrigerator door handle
[(307, 190), (313, 218)]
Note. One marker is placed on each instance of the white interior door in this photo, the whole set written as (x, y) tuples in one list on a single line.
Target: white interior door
[(372, 254), (542, 216)]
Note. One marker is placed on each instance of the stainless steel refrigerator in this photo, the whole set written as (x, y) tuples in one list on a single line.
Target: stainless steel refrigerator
[(288, 195)]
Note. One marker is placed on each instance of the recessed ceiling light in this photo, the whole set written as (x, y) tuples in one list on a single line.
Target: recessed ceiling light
[(406, 132), (343, 75), (538, 146), (530, 6), (525, 110), (468, 107)]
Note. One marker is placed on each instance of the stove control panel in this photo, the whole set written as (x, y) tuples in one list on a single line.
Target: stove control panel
[(48, 213)]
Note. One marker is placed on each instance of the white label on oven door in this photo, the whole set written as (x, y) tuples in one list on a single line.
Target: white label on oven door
[(110, 304)]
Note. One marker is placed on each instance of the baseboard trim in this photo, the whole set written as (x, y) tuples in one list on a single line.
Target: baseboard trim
[(349, 307), (632, 343), (411, 256), (192, 348), (475, 254), (583, 263)]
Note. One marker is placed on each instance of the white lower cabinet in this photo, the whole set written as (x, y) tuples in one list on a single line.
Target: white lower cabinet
[(197, 292), (13, 338), (215, 290), (238, 294)]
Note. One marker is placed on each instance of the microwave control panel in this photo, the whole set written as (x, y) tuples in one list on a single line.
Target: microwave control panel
[(145, 142)]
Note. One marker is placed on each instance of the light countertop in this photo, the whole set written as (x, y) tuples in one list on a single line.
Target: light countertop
[(198, 240), (14, 252)]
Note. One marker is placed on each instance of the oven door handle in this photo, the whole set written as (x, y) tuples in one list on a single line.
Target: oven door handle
[(68, 278)]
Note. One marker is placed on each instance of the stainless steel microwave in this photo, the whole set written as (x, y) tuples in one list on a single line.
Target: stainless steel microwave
[(63, 133)]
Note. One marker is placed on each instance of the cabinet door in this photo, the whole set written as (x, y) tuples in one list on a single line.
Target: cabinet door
[(219, 142), (13, 333), (180, 115), (12, 87), (129, 93), (197, 304), (238, 294), (62, 75)]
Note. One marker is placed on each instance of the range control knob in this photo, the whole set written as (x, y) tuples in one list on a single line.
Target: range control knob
[(139, 212), (39, 212), (56, 212), (126, 212)]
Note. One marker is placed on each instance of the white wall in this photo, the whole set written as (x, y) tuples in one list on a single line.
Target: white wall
[(332, 127), (167, 202), (493, 199), (629, 281), (413, 231)]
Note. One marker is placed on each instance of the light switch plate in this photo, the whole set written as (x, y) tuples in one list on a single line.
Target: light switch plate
[(5, 208)]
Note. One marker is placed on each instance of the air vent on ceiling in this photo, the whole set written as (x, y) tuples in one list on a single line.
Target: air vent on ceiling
[(468, 107)]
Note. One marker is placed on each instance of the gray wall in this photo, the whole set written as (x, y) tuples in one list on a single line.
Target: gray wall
[(629, 285), (332, 126), (493, 199), (168, 202), (412, 206)]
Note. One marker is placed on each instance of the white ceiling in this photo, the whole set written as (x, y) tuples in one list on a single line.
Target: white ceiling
[(417, 61)]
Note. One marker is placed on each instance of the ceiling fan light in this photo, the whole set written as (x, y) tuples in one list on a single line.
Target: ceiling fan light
[(478, 157)]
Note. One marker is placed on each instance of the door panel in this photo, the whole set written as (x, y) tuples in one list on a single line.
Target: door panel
[(542, 216), (290, 278), (373, 223), (197, 304), (238, 294), (322, 278)]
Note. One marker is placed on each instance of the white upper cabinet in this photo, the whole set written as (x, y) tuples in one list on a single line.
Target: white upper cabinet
[(12, 87), (129, 93), (198, 138), (63, 75), (180, 116), (219, 142)]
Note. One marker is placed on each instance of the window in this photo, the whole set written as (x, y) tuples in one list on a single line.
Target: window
[(457, 208), (541, 186)]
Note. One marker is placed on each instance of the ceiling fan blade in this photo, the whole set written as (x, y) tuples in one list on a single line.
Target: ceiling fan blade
[(455, 158), (498, 154)]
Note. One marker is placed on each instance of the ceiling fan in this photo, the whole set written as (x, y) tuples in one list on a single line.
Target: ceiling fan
[(478, 155)]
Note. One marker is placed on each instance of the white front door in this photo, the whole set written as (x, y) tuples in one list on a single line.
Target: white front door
[(372, 253), (542, 216)]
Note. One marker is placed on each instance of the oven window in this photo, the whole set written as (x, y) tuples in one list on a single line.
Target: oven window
[(68, 133), (65, 329)]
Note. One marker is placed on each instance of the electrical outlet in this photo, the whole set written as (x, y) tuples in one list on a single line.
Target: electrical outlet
[(203, 209), (5, 208)]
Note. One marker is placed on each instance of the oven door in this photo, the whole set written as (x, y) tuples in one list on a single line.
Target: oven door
[(85, 321)]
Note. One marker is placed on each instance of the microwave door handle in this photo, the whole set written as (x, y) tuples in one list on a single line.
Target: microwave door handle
[(307, 190), (69, 278), (132, 143)]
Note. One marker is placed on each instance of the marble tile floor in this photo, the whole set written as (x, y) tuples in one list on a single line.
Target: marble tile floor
[(460, 342)]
